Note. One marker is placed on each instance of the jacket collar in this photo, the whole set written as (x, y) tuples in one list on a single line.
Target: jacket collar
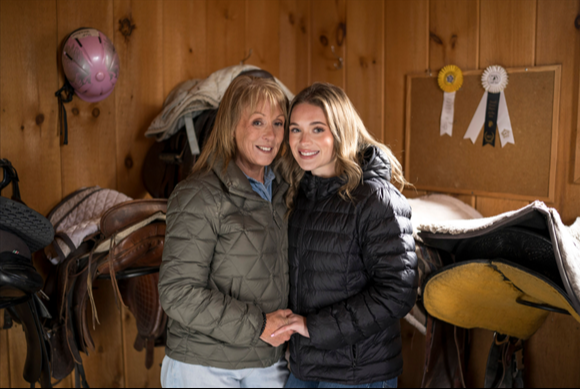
[(237, 183), (374, 163)]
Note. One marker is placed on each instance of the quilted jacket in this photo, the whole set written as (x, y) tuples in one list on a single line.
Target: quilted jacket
[(353, 275), (225, 262)]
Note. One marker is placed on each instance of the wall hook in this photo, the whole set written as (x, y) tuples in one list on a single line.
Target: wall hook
[(247, 57), (340, 63)]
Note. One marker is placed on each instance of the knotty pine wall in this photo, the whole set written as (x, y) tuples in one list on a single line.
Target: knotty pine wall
[(174, 40)]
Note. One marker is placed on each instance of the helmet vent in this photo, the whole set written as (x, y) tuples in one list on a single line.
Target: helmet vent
[(80, 44), (68, 56), (101, 42)]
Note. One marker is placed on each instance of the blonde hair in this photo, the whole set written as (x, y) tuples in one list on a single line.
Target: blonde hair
[(351, 139), (244, 93)]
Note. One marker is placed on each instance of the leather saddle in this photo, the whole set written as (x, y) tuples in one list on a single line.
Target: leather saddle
[(505, 274), (128, 247), (22, 232), (169, 162)]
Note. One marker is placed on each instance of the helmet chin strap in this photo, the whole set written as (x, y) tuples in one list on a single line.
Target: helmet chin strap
[(65, 95)]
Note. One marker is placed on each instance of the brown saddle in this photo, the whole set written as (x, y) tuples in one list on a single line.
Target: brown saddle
[(131, 236)]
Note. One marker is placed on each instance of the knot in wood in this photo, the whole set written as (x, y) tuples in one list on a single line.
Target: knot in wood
[(126, 27), (129, 162), (577, 22), (363, 63), (39, 119), (323, 40), (341, 34), (435, 38), (291, 18), (96, 112), (75, 111), (453, 41)]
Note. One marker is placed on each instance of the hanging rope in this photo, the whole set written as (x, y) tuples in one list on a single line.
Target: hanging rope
[(65, 95)]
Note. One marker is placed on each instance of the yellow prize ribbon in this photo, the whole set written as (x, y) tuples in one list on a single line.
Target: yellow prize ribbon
[(450, 79)]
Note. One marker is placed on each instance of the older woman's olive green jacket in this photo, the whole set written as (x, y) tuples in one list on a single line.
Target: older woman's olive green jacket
[(225, 262)]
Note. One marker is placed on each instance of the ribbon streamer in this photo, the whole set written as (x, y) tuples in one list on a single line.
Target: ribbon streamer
[(447, 113), (504, 125)]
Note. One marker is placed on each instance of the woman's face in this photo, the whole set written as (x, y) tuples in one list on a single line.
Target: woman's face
[(311, 141), (259, 135)]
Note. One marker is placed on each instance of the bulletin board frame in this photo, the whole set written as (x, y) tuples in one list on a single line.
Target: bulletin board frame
[(577, 169), (424, 179)]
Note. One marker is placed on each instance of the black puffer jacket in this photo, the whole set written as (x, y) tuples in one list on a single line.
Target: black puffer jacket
[(353, 275)]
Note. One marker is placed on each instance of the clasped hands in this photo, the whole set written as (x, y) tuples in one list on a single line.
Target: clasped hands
[(281, 325)]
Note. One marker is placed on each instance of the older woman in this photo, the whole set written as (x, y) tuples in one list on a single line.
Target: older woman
[(224, 278)]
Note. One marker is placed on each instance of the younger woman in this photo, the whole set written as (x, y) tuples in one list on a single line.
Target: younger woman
[(353, 269)]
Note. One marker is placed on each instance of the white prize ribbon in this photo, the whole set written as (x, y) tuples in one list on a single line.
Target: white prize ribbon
[(504, 124), (447, 113), (478, 120), (494, 80)]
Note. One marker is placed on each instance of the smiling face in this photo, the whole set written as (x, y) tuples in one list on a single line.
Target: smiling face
[(311, 140), (259, 135)]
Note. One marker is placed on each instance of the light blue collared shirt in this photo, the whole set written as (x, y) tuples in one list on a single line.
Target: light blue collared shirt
[(265, 189)]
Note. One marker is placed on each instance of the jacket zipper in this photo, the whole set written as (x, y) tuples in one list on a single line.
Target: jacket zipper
[(299, 254)]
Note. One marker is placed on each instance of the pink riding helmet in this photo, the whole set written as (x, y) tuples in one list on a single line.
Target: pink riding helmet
[(91, 64)]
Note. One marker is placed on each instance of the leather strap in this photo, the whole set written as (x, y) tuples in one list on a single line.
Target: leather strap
[(10, 176), (502, 369)]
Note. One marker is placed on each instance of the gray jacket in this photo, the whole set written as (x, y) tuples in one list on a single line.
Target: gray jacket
[(225, 262)]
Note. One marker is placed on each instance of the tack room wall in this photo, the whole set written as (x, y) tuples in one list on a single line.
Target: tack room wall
[(162, 42)]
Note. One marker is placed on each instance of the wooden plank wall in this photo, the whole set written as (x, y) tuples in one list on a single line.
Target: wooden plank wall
[(174, 40)]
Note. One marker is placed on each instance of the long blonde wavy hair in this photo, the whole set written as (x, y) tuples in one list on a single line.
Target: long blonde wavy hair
[(351, 139), (244, 93)]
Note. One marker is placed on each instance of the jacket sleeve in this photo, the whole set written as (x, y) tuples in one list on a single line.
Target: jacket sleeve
[(388, 251), (184, 292)]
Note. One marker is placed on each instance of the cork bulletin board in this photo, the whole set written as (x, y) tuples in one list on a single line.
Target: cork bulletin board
[(524, 171)]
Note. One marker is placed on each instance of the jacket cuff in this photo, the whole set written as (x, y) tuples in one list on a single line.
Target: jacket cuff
[(312, 330), (257, 317)]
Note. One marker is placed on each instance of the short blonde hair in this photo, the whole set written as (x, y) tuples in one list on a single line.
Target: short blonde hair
[(244, 93), (351, 139)]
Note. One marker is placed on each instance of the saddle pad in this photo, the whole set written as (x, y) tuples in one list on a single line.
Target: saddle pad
[(77, 217), (439, 208), (484, 294)]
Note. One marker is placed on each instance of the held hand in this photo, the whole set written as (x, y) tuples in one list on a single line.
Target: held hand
[(274, 321), (296, 324)]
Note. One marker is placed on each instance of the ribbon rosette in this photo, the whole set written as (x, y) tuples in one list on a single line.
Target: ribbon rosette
[(450, 80), (492, 113)]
